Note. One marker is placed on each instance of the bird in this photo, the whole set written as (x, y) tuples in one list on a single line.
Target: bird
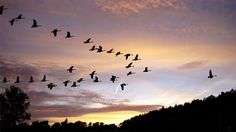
[(123, 85), (74, 84), (130, 73), (31, 79), (92, 74), (146, 69), (118, 53), (51, 86), (136, 58), (127, 56), (66, 82), (12, 21), (18, 80), (110, 51), (96, 80), (1, 9), (55, 31), (80, 80), (68, 35), (4, 80), (35, 24), (71, 69), (88, 41), (99, 49), (113, 78), (19, 17), (44, 78), (93, 48), (211, 75), (129, 65)]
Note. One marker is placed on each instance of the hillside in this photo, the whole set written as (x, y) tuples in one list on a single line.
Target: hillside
[(213, 114)]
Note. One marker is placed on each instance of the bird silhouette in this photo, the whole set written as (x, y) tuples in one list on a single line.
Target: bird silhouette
[(31, 79), (146, 69), (74, 84), (92, 74), (51, 86), (129, 65), (130, 73), (99, 49), (70, 70), (123, 85), (55, 31), (44, 78), (118, 53), (110, 51), (96, 80), (19, 17), (12, 21), (88, 41), (80, 80), (18, 80), (68, 35), (211, 75), (127, 56), (66, 82), (4, 80), (35, 24), (93, 48), (136, 58), (113, 78), (2, 9)]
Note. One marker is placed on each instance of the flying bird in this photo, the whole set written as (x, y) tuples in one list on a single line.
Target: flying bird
[(4, 80), (127, 56), (2, 9), (35, 24), (19, 17), (66, 82), (96, 80), (113, 78), (68, 35), (130, 73), (129, 65), (12, 21), (80, 80), (146, 69), (31, 79), (118, 53), (93, 48), (211, 75), (18, 80), (92, 74), (55, 31), (99, 49), (136, 58), (88, 41), (110, 51), (51, 86), (74, 84), (123, 85), (71, 69), (44, 78)]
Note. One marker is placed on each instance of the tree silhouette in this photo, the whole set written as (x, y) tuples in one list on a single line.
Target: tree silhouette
[(13, 105)]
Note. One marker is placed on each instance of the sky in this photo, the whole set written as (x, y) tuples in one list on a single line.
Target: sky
[(179, 40)]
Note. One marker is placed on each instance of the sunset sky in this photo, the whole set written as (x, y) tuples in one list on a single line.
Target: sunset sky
[(179, 40)]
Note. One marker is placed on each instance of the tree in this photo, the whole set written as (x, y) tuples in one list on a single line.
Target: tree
[(13, 105)]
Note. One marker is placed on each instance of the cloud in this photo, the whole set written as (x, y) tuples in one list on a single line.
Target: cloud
[(135, 6), (192, 65)]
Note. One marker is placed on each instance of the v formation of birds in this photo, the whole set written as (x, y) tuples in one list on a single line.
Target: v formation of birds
[(93, 74)]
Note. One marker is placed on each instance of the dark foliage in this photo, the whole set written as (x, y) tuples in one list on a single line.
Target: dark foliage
[(212, 114)]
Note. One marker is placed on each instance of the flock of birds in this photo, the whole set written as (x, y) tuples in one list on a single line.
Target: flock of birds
[(93, 74)]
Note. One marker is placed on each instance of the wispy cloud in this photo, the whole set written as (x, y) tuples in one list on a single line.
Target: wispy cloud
[(135, 6), (192, 65)]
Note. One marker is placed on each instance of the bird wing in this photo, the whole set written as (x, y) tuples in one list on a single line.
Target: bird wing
[(210, 73)]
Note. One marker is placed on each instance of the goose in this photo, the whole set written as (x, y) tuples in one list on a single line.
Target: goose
[(4, 80), (96, 80), (123, 85), (51, 86), (74, 84), (18, 80), (88, 41), (35, 24), (92, 74), (211, 75), (129, 65), (66, 82), (55, 31), (99, 49), (2, 9), (127, 56), (110, 51), (113, 78), (31, 79), (44, 78), (12, 21), (80, 80), (146, 69), (93, 48), (19, 17), (70, 70), (68, 35), (118, 53), (136, 58), (130, 73)]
